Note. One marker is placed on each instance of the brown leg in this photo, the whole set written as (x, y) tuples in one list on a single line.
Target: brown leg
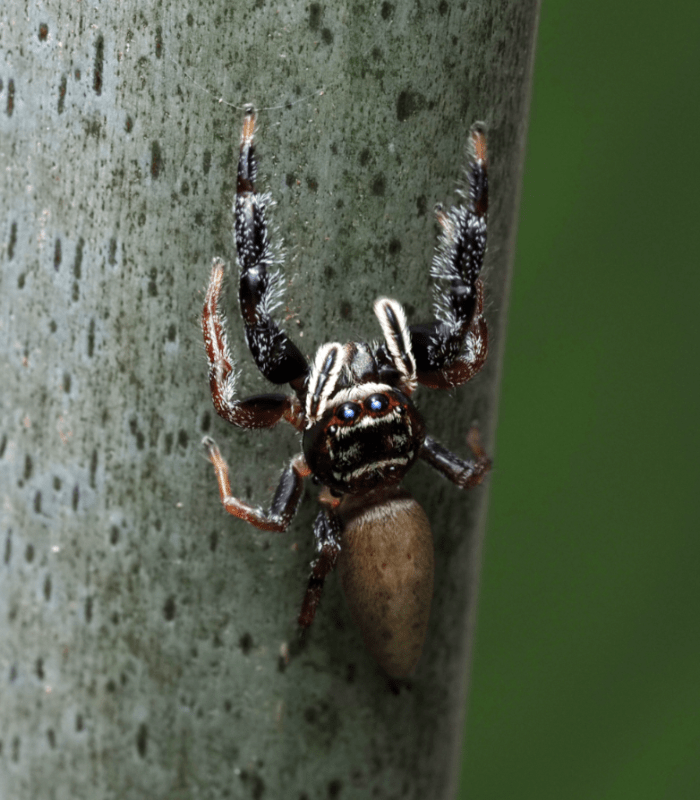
[(327, 534), (284, 503)]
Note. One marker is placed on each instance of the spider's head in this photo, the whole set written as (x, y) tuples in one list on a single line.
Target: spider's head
[(369, 435)]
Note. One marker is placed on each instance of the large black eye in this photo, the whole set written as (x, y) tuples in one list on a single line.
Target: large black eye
[(377, 403), (348, 412)]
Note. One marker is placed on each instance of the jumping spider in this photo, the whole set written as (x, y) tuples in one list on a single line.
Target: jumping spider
[(361, 431)]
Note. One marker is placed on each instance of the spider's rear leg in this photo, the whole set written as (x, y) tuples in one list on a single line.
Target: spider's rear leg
[(284, 503), (276, 356), (450, 350), (327, 533)]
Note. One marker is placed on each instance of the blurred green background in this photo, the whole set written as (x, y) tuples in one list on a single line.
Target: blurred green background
[(586, 678)]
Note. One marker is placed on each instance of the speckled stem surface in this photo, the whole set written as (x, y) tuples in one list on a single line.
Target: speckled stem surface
[(140, 626)]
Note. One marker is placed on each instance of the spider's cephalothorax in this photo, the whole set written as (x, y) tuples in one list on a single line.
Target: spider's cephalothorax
[(352, 404), (362, 431)]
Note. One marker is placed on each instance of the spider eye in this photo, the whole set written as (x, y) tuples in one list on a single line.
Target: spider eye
[(377, 403), (348, 412)]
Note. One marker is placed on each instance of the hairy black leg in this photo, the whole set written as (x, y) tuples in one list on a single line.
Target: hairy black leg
[(276, 356), (284, 503), (475, 345), (444, 354), (259, 411), (327, 532), (461, 472)]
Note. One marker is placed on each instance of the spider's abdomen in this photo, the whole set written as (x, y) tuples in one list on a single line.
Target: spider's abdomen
[(365, 441), (386, 568)]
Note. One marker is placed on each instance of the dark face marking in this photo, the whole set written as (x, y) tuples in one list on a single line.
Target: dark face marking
[(356, 447)]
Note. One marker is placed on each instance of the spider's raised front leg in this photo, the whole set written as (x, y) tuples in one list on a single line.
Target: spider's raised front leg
[(452, 349), (276, 356), (284, 503)]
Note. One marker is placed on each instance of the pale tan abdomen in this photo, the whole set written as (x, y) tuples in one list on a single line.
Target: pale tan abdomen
[(386, 567)]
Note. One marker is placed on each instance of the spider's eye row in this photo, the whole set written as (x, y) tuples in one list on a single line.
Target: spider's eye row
[(348, 412), (377, 403)]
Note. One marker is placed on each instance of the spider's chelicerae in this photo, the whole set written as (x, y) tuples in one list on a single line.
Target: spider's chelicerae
[(361, 432)]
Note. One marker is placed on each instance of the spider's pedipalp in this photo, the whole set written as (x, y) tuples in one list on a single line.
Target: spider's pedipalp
[(394, 324), (328, 364)]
